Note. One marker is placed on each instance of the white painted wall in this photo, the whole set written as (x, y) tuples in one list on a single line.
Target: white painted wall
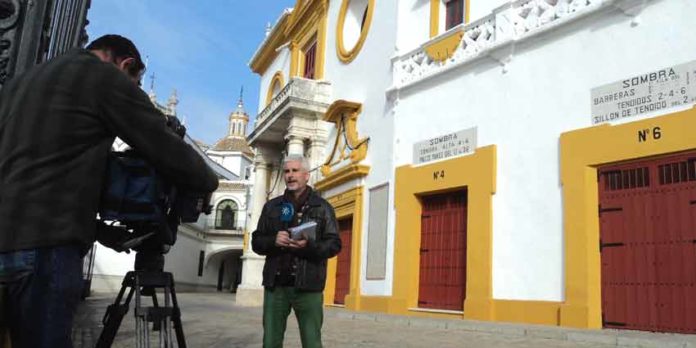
[(236, 162), (280, 63), (413, 24), (182, 260), (364, 80), (481, 8), (545, 92), (109, 268)]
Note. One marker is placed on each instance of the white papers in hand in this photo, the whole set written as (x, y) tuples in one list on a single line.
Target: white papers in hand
[(306, 230)]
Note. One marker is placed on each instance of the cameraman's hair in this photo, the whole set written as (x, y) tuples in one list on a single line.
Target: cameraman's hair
[(297, 158), (120, 48)]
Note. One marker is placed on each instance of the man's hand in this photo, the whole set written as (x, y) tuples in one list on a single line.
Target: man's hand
[(297, 244), (283, 239)]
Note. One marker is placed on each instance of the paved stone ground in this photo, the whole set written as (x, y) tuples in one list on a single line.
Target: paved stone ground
[(212, 320)]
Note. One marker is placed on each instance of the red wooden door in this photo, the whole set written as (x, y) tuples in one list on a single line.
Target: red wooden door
[(345, 232), (648, 244), (443, 251)]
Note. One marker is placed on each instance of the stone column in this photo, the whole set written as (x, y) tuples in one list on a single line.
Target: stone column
[(316, 157), (250, 291), (295, 144), (259, 198)]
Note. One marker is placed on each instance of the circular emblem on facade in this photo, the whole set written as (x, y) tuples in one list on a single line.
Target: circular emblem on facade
[(9, 12), (354, 22)]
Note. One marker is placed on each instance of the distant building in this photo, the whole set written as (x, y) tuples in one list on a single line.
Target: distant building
[(207, 254)]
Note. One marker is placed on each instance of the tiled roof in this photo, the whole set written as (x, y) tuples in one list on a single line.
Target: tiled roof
[(233, 144)]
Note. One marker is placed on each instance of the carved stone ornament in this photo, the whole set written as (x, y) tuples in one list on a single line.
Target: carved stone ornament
[(348, 145), (9, 14)]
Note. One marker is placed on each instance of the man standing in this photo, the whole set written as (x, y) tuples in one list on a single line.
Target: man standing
[(57, 124), (294, 274)]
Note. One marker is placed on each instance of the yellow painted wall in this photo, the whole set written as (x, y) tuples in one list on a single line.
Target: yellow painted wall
[(582, 151), (477, 173), (347, 204)]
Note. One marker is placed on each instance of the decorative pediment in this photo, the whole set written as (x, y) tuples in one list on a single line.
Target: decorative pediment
[(304, 14), (348, 149)]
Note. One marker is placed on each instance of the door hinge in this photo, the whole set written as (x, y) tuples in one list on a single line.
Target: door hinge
[(614, 323), (424, 250), (692, 202), (609, 245), (608, 210)]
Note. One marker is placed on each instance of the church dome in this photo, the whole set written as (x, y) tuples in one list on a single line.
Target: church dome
[(233, 144)]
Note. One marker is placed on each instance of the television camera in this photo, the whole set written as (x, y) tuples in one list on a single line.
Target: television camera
[(141, 210)]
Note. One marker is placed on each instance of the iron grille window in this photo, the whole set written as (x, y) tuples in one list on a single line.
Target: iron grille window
[(225, 215), (626, 179), (676, 172), (310, 61), (454, 13)]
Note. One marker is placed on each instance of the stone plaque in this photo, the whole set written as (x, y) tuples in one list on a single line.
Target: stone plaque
[(448, 145), (646, 93)]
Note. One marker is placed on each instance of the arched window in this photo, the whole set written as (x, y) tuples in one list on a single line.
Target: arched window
[(225, 215)]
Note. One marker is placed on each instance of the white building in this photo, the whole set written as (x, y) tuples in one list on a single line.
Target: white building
[(207, 254), (494, 160)]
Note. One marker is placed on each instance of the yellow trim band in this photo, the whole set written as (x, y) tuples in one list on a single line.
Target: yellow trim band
[(342, 176), (443, 47), (435, 16), (306, 23), (294, 59), (347, 56), (268, 52), (476, 172), (581, 152), (347, 203), (344, 114), (277, 79)]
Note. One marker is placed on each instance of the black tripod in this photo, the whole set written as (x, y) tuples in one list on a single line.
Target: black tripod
[(144, 283)]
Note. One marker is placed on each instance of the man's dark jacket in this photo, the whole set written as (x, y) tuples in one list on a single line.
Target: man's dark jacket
[(311, 266), (57, 124)]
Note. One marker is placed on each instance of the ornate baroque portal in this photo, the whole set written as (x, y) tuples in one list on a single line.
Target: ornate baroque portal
[(343, 163), (343, 167)]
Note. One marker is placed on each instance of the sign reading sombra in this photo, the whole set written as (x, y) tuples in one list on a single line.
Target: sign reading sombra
[(643, 94), (445, 146)]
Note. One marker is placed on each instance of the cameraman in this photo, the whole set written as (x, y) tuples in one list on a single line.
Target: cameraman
[(57, 124)]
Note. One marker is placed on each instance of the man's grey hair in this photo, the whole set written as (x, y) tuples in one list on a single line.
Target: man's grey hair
[(297, 158)]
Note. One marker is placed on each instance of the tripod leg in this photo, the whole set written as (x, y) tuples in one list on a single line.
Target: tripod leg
[(176, 318), (156, 325), (113, 318)]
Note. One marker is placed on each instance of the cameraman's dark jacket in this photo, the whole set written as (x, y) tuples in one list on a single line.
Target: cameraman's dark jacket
[(311, 265), (57, 124)]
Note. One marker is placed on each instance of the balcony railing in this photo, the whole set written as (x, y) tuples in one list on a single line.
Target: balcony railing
[(489, 36), (238, 231), (297, 89)]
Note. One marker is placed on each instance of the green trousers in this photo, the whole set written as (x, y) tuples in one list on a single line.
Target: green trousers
[(309, 311)]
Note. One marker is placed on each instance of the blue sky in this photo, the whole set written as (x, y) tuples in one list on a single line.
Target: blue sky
[(199, 48)]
